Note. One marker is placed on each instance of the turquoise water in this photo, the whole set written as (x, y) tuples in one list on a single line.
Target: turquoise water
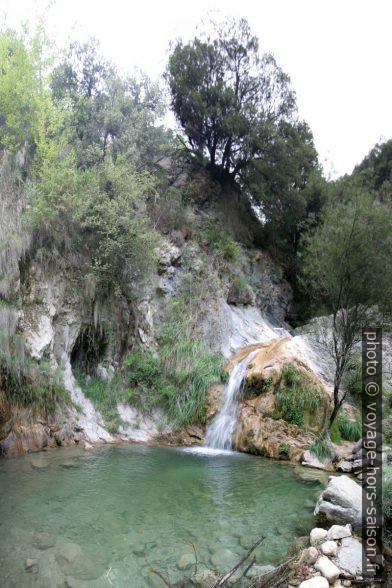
[(105, 517)]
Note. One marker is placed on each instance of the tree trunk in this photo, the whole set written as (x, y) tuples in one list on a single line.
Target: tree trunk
[(336, 406)]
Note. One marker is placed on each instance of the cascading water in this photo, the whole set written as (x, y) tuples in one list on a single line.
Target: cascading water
[(221, 432)]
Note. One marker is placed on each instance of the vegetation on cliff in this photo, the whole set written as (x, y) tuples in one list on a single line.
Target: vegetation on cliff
[(100, 182)]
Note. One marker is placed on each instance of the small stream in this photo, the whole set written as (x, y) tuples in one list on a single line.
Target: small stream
[(120, 510)]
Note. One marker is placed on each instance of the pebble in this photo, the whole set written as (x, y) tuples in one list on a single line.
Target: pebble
[(310, 555), (329, 548), (318, 536), (327, 569)]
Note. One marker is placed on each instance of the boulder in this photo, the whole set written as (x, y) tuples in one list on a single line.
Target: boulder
[(327, 568), (329, 548), (339, 532), (341, 502), (224, 559), (349, 557), (316, 582), (318, 536)]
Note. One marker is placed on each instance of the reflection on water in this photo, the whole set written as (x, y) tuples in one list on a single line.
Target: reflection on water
[(129, 508)]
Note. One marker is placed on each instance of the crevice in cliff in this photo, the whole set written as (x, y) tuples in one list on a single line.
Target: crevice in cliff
[(89, 349)]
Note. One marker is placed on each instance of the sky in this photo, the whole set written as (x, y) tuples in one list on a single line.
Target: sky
[(337, 53)]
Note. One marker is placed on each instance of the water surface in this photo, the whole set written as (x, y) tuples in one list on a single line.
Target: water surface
[(120, 510)]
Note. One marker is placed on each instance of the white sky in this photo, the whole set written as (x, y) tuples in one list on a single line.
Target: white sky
[(337, 53)]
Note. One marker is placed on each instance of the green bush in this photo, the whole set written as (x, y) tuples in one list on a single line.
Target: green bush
[(320, 449), (284, 449), (349, 429), (334, 432), (291, 376), (354, 378), (176, 379), (221, 242), (293, 399), (27, 384)]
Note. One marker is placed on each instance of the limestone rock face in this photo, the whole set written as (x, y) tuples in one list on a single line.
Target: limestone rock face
[(341, 502), (262, 429)]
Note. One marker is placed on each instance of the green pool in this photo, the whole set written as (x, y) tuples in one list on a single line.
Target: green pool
[(105, 518)]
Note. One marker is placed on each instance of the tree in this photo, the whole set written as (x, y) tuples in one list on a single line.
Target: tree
[(227, 97), (287, 185), (347, 266), (108, 115), (22, 89)]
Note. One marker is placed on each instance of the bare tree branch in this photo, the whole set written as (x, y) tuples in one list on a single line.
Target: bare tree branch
[(229, 574)]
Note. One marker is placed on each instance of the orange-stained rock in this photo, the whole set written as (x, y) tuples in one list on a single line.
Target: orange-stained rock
[(262, 429)]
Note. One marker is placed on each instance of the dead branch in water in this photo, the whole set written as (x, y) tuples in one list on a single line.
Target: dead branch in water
[(233, 570), (181, 583), (219, 583)]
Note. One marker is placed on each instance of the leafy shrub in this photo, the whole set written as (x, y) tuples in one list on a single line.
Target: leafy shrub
[(349, 429), (26, 383), (354, 378), (221, 242), (335, 434), (320, 449), (177, 379), (293, 399), (291, 376), (191, 369), (284, 449), (171, 210)]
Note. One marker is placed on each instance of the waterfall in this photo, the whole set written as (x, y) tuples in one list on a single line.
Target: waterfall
[(220, 433)]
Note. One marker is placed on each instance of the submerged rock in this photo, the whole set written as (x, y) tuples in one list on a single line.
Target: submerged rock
[(186, 561), (224, 559), (74, 562), (31, 566), (204, 579), (43, 541)]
